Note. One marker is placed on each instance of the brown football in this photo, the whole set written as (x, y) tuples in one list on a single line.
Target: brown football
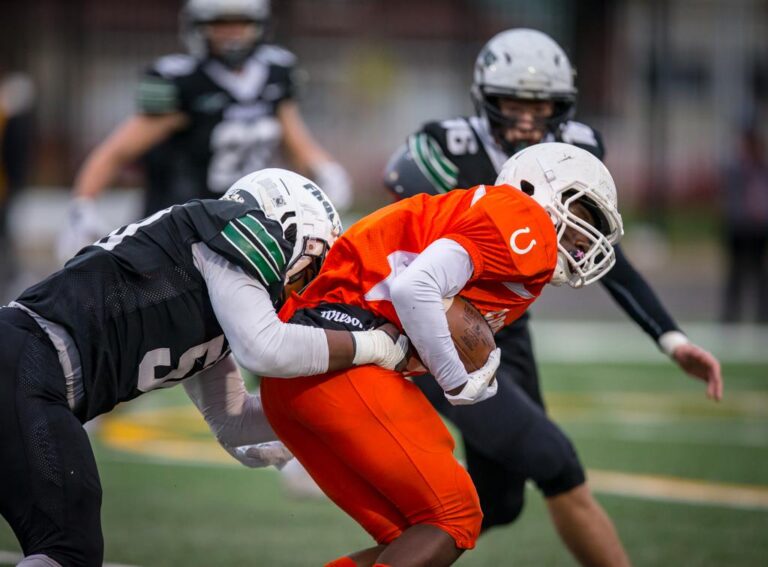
[(472, 336)]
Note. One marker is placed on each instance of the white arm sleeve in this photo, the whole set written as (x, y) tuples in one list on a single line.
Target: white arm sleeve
[(441, 270), (260, 341), (234, 416)]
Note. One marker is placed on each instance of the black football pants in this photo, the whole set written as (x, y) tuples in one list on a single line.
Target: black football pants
[(50, 492), (509, 439)]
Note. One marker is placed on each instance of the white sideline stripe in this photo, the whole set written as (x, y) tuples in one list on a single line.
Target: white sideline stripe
[(611, 341), (686, 491), (11, 558)]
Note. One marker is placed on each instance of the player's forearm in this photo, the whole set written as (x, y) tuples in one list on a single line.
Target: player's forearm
[(420, 309), (234, 416), (341, 350), (99, 170), (130, 140), (284, 350), (636, 297), (302, 148), (440, 271)]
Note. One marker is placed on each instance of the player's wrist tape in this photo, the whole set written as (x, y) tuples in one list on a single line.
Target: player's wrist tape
[(377, 347), (670, 340)]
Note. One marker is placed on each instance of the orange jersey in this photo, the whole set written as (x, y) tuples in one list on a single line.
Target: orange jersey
[(509, 237)]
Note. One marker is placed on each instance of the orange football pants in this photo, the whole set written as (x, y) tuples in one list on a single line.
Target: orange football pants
[(378, 449)]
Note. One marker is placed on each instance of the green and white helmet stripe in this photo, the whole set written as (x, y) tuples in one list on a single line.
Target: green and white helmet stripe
[(260, 249), (254, 226), (431, 160)]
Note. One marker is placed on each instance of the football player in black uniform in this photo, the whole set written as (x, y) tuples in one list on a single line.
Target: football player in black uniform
[(176, 297), (207, 118), (524, 94)]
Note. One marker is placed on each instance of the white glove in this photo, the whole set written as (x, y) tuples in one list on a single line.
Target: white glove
[(261, 455), (379, 348), (83, 227), (481, 384), (335, 182)]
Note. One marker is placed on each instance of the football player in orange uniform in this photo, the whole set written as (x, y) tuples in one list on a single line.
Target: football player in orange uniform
[(367, 436)]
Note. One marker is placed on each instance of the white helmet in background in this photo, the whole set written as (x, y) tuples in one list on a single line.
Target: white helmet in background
[(522, 64), (309, 220), (197, 13), (556, 176)]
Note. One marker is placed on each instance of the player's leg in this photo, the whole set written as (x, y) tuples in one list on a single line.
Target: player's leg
[(586, 529), (501, 492), (50, 494), (379, 425), (507, 438), (336, 478)]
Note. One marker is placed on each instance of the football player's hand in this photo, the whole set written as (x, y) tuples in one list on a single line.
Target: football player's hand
[(385, 346), (482, 383), (262, 454), (83, 227), (700, 364), (335, 181)]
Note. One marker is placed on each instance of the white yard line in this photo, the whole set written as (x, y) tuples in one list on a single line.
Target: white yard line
[(613, 341), (673, 489)]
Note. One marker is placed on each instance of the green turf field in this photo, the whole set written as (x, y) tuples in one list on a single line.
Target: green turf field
[(686, 480)]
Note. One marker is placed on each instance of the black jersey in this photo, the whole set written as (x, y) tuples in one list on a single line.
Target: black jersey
[(137, 308), (460, 153), (232, 128)]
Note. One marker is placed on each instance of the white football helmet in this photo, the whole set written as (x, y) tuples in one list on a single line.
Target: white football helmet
[(556, 176), (522, 64), (196, 13), (308, 217)]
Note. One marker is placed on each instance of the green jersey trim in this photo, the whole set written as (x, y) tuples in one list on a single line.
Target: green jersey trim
[(431, 160)]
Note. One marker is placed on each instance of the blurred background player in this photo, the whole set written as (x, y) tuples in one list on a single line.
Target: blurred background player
[(745, 220), (17, 99), (368, 437), (206, 118), (524, 94)]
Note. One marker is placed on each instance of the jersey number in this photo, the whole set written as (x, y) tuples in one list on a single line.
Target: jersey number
[(117, 236), (239, 148), (213, 351), (459, 138)]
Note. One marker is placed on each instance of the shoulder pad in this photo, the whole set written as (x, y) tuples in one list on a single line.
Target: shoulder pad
[(276, 55), (426, 148), (586, 137), (176, 65), (438, 128), (404, 178)]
